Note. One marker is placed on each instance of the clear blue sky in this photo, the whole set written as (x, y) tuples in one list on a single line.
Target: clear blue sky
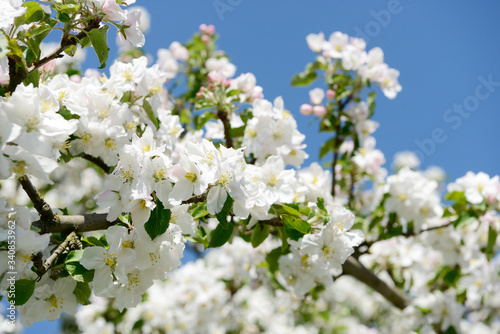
[(440, 48)]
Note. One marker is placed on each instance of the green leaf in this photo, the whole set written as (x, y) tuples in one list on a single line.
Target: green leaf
[(451, 330), (200, 120), (220, 235), (71, 51), (33, 78), (151, 114), (24, 291), (99, 40), (4, 44), (68, 8), (185, 116), (15, 50), (291, 209), (158, 222), (465, 218), (371, 103), (451, 278), (38, 29), (304, 79), (93, 241), (79, 272), (272, 259), (327, 147), (284, 238), (492, 239), (321, 204), (456, 196), (63, 17), (82, 292), (226, 209), (295, 227), (233, 92), (237, 132), (34, 13), (74, 256), (199, 210), (260, 233)]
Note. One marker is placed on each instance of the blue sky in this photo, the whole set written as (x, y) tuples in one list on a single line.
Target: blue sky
[(441, 48)]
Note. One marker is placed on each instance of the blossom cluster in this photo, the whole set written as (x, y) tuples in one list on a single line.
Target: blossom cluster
[(352, 54)]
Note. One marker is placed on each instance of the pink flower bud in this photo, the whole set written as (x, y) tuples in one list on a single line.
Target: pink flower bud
[(319, 111), (330, 94), (210, 30), (216, 77), (203, 27), (306, 109), (50, 66), (75, 78), (205, 39)]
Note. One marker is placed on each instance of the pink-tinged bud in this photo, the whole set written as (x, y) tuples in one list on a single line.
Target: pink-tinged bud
[(205, 39), (306, 109), (216, 77), (319, 111), (75, 78), (199, 94), (210, 30), (330, 94), (228, 83), (203, 27), (202, 89), (49, 67)]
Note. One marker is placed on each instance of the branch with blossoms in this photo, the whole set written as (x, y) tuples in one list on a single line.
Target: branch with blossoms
[(212, 166)]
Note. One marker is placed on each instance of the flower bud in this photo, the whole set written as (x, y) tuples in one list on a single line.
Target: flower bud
[(306, 109), (330, 94), (319, 111)]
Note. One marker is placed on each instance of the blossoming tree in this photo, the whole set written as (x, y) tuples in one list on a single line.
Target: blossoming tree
[(109, 179)]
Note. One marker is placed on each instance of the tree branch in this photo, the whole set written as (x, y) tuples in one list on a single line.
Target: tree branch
[(272, 222), (41, 269), (41, 206), (355, 269), (78, 223), (17, 77), (337, 142), (227, 127), (97, 161)]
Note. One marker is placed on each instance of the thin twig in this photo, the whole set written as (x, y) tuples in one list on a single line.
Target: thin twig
[(17, 77), (41, 270), (337, 142), (272, 222), (41, 206)]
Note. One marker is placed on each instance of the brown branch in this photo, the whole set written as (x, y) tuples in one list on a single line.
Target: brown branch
[(337, 142), (41, 269), (227, 127), (355, 269), (194, 200), (351, 189), (41, 206), (17, 77), (272, 222), (79, 223), (335, 156), (98, 162)]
